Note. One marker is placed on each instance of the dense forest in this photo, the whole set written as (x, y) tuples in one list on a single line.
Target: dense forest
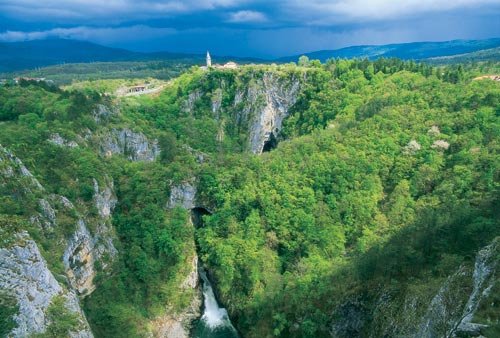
[(381, 183)]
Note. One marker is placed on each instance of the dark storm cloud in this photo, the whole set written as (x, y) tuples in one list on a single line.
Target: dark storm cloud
[(247, 27)]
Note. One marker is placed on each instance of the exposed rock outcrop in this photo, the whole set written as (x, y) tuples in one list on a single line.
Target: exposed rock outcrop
[(14, 167), (182, 195), (62, 142), (260, 105), (422, 311), (191, 100), (135, 146), (483, 279), (446, 306), (178, 325), (217, 102), (279, 96), (24, 272), (23, 268), (79, 259), (102, 113), (105, 200), (85, 249), (48, 214), (452, 310)]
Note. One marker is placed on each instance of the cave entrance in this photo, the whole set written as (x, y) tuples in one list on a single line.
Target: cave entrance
[(270, 144), (197, 214)]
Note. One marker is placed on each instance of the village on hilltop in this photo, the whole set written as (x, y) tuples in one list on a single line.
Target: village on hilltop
[(228, 65)]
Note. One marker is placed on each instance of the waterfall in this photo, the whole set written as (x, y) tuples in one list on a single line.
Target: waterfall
[(213, 315), (215, 321)]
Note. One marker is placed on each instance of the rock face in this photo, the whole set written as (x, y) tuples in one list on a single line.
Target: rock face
[(60, 141), (484, 277), (85, 249), (177, 325), (191, 100), (24, 272), (102, 113), (445, 307), (15, 168), (182, 195), (135, 146), (48, 214), (80, 256), (449, 311), (259, 106), (22, 268), (279, 96), (104, 199)]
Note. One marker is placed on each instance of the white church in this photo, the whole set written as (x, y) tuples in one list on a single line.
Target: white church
[(228, 65)]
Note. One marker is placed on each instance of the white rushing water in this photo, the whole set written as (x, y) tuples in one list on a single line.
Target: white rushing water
[(215, 322), (213, 315)]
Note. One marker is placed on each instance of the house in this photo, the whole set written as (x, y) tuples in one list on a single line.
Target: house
[(23, 78), (137, 89), (230, 65), (491, 77)]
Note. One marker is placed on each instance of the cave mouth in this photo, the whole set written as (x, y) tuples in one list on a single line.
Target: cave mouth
[(270, 144), (197, 214)]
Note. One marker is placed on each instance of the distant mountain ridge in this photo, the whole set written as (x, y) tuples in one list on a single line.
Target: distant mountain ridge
[(40, 53), (15, 56), (24, 55), (492, 54), (406, 51)]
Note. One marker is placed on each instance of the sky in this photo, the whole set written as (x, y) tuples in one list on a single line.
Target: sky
[(256, 28)]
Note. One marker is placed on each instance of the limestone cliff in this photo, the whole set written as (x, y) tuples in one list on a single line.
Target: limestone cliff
[(279, 96), (449, 311), (177, 324), (256, 103), (85, 249), (452, 310), (24, 270), (133, 145), (25, 274), (182, 195)]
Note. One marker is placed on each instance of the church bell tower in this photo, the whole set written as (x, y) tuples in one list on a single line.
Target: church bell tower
[(209, 60)]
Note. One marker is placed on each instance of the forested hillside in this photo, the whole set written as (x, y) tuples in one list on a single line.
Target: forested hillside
[(408, 51), (346, 199)]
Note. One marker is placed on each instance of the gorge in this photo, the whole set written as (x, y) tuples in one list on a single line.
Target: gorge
[(346, 199)]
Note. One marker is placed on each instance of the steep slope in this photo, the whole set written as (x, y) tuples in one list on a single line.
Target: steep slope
[(256, 102), (24, 270)]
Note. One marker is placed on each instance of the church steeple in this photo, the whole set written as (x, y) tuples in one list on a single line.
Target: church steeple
[(209, 60)]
